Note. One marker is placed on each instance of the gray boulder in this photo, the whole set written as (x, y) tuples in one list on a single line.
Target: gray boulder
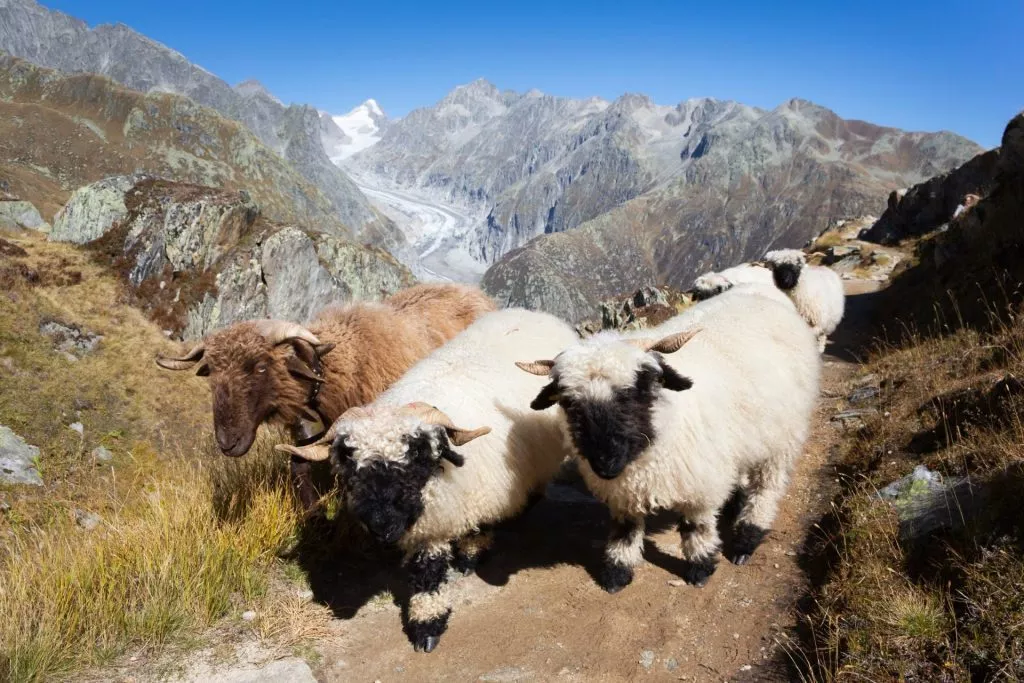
[(17, 460), (93, 210), (297, 285), (21, 214)]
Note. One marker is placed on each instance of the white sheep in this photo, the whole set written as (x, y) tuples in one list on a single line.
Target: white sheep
[(712, 284), (729, 407), (816, 291), (404, 483)]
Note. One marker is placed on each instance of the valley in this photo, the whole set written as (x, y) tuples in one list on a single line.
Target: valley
[(435, 231)]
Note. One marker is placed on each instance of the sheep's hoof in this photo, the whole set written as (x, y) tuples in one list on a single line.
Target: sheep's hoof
[(697, 572), (426, 644), (615, 577), (746, 538)]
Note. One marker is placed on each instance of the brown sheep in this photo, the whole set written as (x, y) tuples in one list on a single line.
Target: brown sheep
[(275, 371)]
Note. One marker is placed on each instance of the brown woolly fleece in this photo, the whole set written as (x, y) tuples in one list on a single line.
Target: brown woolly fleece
[(376, 344)]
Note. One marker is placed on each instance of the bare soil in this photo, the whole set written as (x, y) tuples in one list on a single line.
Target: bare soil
[(534, 612)]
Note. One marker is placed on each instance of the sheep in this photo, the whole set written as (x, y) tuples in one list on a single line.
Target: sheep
[(712, 284), (276, 371), (404, 482), (728, 407), (816, 291)]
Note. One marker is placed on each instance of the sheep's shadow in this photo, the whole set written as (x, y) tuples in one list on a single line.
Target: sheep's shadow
[(345, 569), (569, 527), (857, 333)]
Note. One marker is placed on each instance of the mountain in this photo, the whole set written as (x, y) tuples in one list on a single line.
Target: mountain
[(360, 128), (58, 41), (663, 190), (60, 131)]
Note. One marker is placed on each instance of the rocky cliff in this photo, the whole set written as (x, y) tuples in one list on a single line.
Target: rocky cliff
[(198, 258), (56, 40)]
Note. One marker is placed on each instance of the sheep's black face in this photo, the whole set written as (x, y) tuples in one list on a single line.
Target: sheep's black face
[(387, 496), (786, 275), (611, 433)]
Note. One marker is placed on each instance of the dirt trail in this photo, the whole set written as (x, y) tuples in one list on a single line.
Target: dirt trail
[(534, 612)]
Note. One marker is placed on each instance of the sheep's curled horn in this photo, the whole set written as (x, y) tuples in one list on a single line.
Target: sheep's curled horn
[(274, 331), (320, 450), (669, 344), (457, 435)]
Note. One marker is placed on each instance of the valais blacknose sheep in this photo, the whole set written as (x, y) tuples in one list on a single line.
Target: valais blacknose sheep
[(713, 284), (816, 291), (729, 404), (271, 370), (403, 478)]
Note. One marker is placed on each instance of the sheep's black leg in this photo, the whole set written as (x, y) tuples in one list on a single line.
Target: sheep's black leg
[(700, 547), (746, 537), (625, 550), (471, 549), (429, 606), (303, 482)]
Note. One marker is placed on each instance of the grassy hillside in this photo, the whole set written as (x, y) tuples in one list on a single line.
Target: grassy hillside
[(184, 540), (929, 587)]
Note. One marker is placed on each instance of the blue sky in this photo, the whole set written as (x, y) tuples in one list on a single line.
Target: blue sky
[(920, 65)]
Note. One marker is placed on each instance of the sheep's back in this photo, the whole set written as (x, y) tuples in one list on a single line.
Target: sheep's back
[(754, 366), (473, 379)]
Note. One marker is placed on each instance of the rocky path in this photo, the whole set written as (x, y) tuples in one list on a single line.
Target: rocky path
[(534, 612)]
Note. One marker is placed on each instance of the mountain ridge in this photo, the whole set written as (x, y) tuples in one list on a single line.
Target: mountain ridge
[(522, 165), (59, 41)]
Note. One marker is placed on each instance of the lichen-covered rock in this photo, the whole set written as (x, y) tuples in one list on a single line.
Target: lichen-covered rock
[(292, 275), (297, 285), (69, 338), (21, 214), (183, 227), (93, 210), (199, 258), (367, 272), (17, 460)]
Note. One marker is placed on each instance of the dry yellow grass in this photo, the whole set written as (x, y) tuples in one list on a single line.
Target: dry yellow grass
[(949, 605), (187, 537), (167, 563)]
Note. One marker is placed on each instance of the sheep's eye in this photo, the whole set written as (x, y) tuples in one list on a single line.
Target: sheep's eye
[(261, 368)]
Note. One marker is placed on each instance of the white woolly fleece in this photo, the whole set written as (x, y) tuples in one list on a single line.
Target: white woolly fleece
[(755, 371), (474, 380), (818, 296), (745, 273), (793, 257)]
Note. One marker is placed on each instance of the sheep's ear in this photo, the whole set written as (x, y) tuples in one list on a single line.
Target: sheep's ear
[(547, 397), (446, 453), (672, 380), (324, 349), (537, 367)]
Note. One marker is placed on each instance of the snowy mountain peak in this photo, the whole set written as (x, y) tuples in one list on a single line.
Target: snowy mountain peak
[(361, 128)]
